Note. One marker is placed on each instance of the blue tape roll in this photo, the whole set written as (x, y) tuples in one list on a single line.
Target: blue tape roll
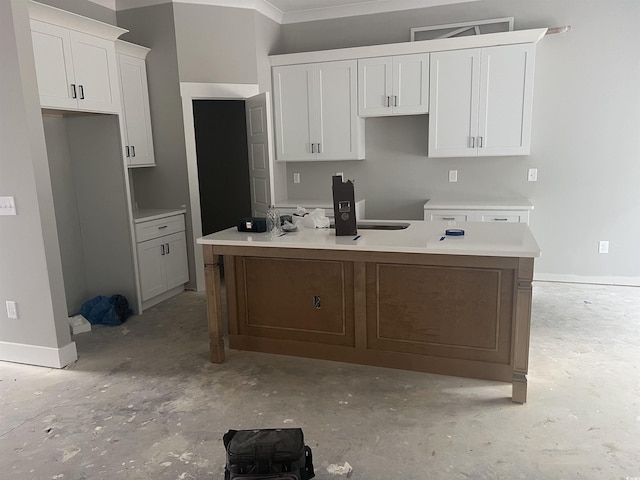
[(454, 232)]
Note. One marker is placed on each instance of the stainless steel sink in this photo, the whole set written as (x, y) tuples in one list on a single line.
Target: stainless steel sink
[(379, 225)]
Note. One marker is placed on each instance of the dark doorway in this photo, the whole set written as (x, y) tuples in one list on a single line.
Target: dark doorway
[(223, 166)]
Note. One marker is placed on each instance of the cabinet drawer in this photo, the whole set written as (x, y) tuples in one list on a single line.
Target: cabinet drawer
[(502, 216), (449, 215), (158, 228)]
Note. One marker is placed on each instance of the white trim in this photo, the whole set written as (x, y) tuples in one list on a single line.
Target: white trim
[(607, 280), (37, 355), (56, 16), (405, 48), (131, 49), (362, 8), (110, 4), (201, 91)]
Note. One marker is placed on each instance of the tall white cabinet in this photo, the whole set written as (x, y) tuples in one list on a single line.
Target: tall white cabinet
[(481, 101), (315, 109), (138, 139), (397, 85)]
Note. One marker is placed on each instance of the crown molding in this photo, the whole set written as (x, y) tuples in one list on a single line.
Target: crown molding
[(365, 7), (110, 4)]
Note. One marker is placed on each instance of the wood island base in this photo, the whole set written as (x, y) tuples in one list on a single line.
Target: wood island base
[(460, 315)]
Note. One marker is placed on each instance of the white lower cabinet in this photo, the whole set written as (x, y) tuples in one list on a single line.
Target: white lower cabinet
[(162, 260)]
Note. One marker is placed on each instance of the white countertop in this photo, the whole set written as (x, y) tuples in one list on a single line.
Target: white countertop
[(480, 239), (512, 203), (146, 214)]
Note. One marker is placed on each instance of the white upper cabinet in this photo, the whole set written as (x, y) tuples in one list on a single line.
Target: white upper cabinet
[(315, 109), (138, 138), (481, 101), (75, 71), (396, 85)]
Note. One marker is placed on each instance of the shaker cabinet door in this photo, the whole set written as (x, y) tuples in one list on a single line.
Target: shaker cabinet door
[(151, 266)]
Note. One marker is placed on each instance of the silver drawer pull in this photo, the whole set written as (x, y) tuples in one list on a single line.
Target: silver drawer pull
[(500, 219), (163, 226), (448, 218)]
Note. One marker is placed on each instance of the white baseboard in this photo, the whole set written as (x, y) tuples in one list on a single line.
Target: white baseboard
[(552, 277), (37, 355), (162, 297)]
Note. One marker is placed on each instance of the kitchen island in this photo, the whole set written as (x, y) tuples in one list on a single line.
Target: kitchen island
[(403, 298)]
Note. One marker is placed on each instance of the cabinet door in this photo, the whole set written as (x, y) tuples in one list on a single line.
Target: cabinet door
[(375, 86), (506, 98), (54, 65), (135, 107), (175, 260), (335, 117), (453, 103), (94, 64), (151, 259), (291, 96), (410, 84)]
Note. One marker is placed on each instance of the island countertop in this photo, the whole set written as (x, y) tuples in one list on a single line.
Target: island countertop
[(480, 239)]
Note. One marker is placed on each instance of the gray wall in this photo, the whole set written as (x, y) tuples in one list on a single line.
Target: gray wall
[(30, 267), (584, 140), (85, 8), (166, 184)]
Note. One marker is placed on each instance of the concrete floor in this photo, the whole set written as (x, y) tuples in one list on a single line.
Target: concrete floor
[(143, 402)]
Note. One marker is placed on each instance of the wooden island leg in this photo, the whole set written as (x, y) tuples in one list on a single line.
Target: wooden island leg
[(214, 305), (522, 331)]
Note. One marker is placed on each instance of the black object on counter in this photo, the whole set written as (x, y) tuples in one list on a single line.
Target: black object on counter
[(344, 207), (252, 224)]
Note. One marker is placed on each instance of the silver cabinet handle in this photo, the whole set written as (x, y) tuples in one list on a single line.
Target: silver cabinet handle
[(133, 150), (162, 249), (448, 218), (127, 150), (313, 148), (388, 101), (167, 248), (500, 219), (395, 100), (73, 91), (473, 142), (163, 226), (319, 149), (81, 92), (480, 142)]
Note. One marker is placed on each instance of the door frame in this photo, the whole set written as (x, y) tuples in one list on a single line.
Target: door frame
[(203, 91)]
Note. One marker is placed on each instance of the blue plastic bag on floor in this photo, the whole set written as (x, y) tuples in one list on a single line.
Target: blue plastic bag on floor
[(103, 310)]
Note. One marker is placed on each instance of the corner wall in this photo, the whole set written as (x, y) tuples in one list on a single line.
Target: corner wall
[(30, 266)]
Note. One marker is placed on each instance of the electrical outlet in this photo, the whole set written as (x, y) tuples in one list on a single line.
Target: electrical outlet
[(603, 246), (453, 175), (12, 311), (7, 206), (296, 178), (533, 175)]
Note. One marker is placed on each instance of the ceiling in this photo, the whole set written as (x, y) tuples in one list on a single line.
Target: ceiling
[(295, 11)]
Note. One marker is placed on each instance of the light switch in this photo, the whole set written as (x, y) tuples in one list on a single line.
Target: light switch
[(453, 175), (533, 175), (7, 206), (296, 178)]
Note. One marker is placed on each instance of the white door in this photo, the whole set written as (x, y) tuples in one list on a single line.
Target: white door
[(135, 106), (453, 103), (258, 113), (506, 99), (335, 107), (54, 65), (375, 86), (175, 260), (410, 84), (151, 266), (291, 98), (94, 64)]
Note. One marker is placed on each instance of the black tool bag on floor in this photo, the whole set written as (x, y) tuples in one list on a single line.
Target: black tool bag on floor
[(267, 454)]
